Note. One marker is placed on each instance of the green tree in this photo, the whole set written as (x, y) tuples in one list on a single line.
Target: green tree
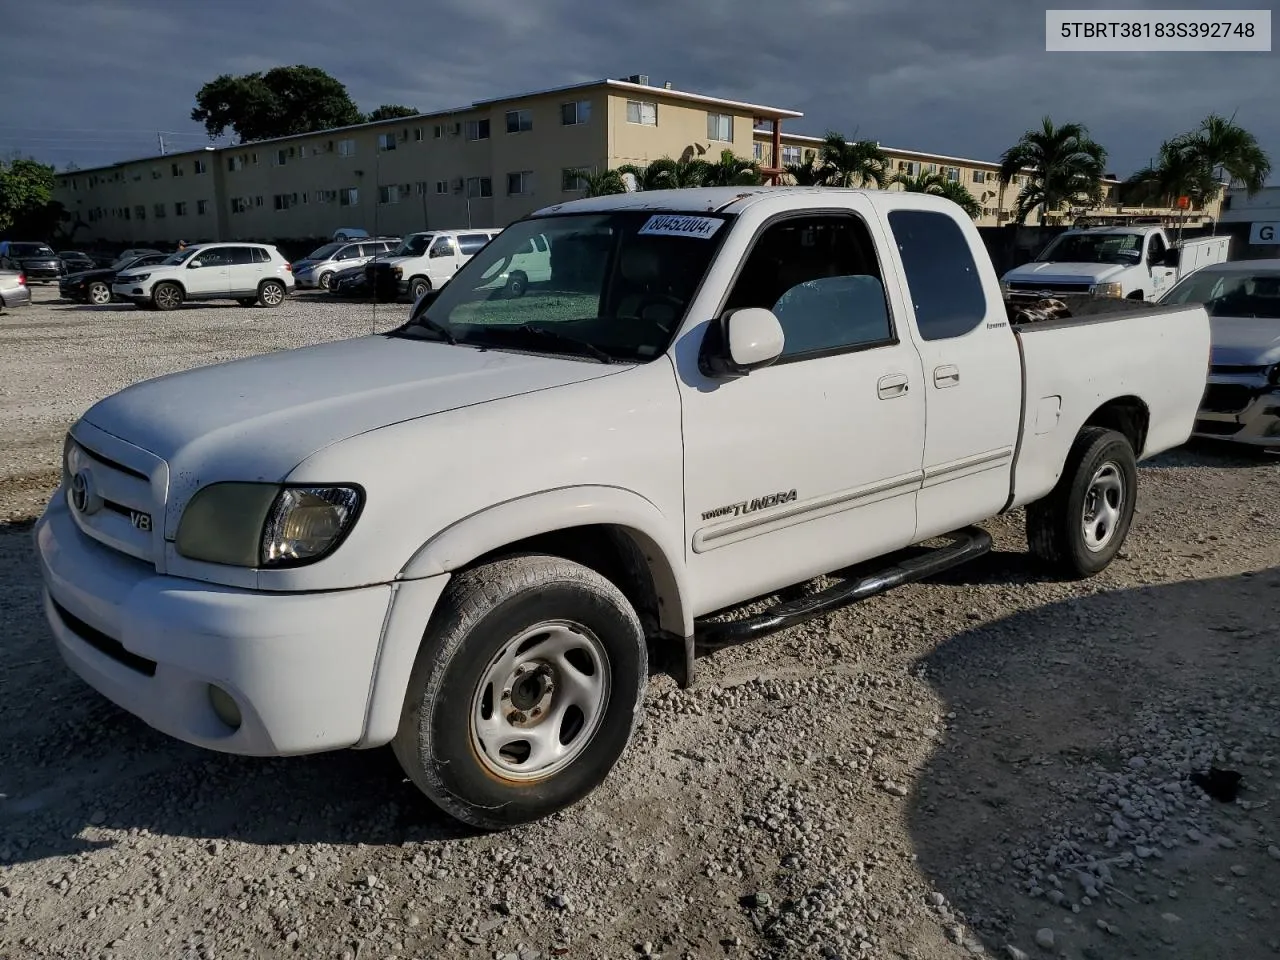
[(666, 173), (732, 170), (601, 183), (390, 111), (940, 186), (26, 189), (1176, 173), (1229, 151), (1063, 165), (805, 174), (855, 163), (284, 101)]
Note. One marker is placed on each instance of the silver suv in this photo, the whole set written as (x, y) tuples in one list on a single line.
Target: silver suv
[(317, 269)]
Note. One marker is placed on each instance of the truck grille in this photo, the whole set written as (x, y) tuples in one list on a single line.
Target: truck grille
[(1226, 398), (1032, 287), (119, 504)]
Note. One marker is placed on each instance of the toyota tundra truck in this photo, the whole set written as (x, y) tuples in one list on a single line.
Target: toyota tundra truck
[(469, 536)]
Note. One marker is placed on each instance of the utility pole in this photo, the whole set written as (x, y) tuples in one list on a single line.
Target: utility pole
[(160, 137)]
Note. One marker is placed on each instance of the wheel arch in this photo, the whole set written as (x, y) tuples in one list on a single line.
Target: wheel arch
[(177, 283), (1128, 415)]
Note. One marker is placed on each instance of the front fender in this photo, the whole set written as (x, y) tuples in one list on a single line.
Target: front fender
[(657, 536)]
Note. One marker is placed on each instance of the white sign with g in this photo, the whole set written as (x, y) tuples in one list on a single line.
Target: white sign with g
[(1265, 233)]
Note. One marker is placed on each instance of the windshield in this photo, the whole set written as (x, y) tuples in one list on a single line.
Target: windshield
[(1242, 294), (610, 285), (176, 258), (30, 250), (1093, 248), (325, 252), (413, 246)]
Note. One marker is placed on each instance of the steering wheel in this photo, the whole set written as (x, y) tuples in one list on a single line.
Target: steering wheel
[(661, 299)]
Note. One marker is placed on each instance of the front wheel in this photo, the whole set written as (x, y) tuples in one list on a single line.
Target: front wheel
[(271, 294), (326, 280), (99, 293), (525, 693), (419, 288), (166, 296), (1081, 526)]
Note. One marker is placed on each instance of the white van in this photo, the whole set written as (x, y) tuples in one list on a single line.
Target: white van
[(532, 264), (428, 260)]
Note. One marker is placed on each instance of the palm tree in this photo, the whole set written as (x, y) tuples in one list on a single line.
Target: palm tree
[(668, 174), (1064, 166), (805, 174), (940, 186), (853, 163), (601, 183), (732, 170), (1177, 173), (1228, 150)]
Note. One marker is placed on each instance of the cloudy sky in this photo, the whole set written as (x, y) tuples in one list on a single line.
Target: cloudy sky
[(94, 81)]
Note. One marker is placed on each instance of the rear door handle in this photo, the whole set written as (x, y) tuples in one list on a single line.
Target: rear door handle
[(947, 376), (894, 385)]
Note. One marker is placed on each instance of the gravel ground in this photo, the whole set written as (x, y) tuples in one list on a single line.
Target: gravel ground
[(991, 762)]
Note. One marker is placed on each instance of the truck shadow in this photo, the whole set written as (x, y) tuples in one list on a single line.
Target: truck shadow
[(1047, 703)]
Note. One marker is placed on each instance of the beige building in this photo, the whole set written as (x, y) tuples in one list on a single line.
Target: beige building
[(481, 166)]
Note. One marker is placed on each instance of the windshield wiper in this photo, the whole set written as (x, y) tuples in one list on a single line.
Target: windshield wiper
[(564, 339), (426, 323)]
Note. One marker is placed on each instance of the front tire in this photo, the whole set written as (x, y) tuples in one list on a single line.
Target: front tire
[(419, 288), (525, 693), (166, 296), (1080, 527), (271, 293), (99, 294), (326, 280)]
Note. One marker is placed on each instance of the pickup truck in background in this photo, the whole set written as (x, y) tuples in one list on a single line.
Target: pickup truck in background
[(467, 537), (1139, 263)]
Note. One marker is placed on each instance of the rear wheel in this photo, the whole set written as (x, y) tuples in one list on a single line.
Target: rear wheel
[(166, 296), (1081, 526), (99, 293), (271, 293), (525, 693)]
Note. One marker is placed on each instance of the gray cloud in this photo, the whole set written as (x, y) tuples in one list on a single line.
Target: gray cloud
[(918, 74)]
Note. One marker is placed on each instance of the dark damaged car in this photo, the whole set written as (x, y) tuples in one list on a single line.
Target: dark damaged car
[(94, 286)]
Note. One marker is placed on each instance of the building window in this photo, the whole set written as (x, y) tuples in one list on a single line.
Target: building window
[(720, 127), (202, 207), (179, 209), (235, 163), (519, 121), (420, 188), (572, 114), (346, 148), (520, 184), (283, 201), (953, 174), (417, 134), (479, 186), (642, 112), (389, 194), (349, 197), (572, 180), (282, 157), (790, 156), (199, 166), (140, 212), (757, 152), (158, 210), (386, 141), (177, 169), (437, 131), (442, 186), (239, 205), (478, 129), (155, 173), (979, 176)]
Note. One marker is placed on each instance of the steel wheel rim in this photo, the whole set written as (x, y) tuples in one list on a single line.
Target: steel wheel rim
[(1103, 506), (271, 294), (540, 701), (167, 297), (99, 294)]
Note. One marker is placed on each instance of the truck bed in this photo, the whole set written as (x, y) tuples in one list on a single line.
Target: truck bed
[(1083, 308)]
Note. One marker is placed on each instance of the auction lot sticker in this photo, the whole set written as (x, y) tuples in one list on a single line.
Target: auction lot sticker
[(669, 225)]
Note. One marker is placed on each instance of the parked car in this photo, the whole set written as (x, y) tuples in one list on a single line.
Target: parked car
[(14, 291), (1241, 401), (1140, 262), (248, 273), (316, 270), (350, 233), (464, 537), (350, 282), (36, 260), (134, 252), (94, 286), (73, 260), (427, 261)]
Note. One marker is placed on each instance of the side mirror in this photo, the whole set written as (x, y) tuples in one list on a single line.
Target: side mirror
[(194, 264), (1172, 256), (741, 341)]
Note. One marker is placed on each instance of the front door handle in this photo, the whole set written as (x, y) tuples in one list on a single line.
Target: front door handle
[(947, 376), (894, 385)]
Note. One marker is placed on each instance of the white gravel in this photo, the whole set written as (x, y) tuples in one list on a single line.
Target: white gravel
[(992, 763)]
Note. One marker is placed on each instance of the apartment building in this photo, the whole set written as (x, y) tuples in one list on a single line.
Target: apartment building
[(482, 165)]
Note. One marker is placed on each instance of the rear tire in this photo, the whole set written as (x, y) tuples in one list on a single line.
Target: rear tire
[(1080, 527), (510, 641), (271, 293), (166, 296)]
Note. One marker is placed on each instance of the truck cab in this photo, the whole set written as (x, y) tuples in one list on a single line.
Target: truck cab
[(1138, 262)]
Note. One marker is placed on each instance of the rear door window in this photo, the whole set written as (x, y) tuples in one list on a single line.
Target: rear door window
[(942, 277)]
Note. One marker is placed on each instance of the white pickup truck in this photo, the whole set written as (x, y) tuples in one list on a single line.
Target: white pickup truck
[(467, 537), (1139, 263)]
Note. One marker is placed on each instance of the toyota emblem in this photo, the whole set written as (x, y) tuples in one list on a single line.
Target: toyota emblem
[(83, 496)]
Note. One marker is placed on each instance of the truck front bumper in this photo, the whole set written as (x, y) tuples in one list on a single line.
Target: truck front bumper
[(307, 672)]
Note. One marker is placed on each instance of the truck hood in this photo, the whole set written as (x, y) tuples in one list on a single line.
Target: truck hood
[(1245, 341), (258, 418), (1053, 272)]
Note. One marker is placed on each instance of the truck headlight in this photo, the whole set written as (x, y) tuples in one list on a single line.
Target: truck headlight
[(265, 524), (1108, 290), (398, 271)]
